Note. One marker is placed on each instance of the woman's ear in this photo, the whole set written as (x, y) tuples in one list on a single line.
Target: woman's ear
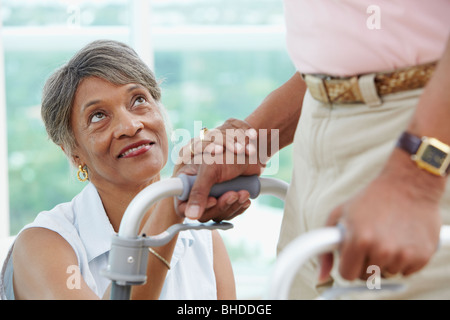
[(76, 160)]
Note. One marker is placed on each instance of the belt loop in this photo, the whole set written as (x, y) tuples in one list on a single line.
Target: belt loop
[(368, 90)]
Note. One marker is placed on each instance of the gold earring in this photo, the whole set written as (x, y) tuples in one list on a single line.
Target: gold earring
[(82, 174)]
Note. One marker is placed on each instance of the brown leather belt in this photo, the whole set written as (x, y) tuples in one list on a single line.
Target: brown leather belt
[(330, 89)]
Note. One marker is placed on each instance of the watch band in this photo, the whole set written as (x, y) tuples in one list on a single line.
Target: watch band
[(409, 142)]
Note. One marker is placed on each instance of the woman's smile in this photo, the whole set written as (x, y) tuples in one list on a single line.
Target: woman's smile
[(136, 149)]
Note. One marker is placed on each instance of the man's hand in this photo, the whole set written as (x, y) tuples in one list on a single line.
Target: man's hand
[(280, 110), (219, 157), (394, 223)]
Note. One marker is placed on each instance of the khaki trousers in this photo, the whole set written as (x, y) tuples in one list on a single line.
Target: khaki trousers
[(338, 149)]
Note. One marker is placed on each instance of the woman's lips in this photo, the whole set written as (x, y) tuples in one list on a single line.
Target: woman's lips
[(135, 149)]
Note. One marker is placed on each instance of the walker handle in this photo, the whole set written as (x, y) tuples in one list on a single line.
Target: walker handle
[(250, 183), (308, 245)]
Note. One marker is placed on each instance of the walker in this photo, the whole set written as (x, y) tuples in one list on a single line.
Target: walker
[(128, 256), (127, 263), (314, 243)]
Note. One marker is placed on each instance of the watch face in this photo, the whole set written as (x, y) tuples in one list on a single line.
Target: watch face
[(433, 156)]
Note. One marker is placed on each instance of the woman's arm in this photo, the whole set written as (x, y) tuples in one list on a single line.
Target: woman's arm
[(46, 267), (226, 288), (161, 218)]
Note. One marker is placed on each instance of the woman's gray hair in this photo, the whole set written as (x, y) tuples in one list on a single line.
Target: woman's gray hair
[(110, 60)]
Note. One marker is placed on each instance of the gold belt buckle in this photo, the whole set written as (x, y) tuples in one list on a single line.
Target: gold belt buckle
[(329, 90), (316, 88)]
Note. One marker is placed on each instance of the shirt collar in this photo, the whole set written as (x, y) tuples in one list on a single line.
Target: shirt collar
[(94, 227)]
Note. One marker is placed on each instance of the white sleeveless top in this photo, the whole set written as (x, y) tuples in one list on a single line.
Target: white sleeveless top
[(83, 223)]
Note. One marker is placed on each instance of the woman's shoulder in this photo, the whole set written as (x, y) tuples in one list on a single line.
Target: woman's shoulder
[(36, 240), (57, 224), (51, 230), (41, 258), (62, 218)]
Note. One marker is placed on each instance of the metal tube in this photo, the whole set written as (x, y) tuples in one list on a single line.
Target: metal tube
[(311, 244), (296, 254), (275, 187), (131, 220), (119, 292), (129, 226)]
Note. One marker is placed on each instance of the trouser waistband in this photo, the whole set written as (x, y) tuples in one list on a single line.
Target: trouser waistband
[(367, 88)]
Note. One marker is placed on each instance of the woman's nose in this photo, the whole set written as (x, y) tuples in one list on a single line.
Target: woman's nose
[(127, 124)]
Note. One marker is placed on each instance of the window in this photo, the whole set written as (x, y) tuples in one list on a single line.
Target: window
[(215, 59)]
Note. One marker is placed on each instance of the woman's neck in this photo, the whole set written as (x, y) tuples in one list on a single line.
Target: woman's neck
[(116, 198)]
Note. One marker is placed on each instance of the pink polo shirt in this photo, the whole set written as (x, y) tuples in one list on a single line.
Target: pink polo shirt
[(347, 37)]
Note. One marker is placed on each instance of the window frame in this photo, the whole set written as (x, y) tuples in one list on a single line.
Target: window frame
[(4, 185)]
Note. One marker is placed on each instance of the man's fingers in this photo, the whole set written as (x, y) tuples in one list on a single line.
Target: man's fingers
[(326, 259), (326, 264), (228, 206), (352, 260), (198, 196)]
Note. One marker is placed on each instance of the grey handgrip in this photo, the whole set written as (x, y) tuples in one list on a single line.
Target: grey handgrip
[(249, 183)]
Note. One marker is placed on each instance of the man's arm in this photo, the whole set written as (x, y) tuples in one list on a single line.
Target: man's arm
[(433, 111), (280, 110)]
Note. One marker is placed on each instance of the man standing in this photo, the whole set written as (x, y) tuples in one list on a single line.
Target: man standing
[(367, 111)]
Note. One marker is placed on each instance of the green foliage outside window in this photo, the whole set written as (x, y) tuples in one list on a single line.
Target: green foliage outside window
[(197, 86)]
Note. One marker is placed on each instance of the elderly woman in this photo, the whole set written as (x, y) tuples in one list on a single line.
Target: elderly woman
[(103, 109)]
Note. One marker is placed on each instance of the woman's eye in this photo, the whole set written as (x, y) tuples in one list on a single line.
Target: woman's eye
[(139, 100), (98, 116)]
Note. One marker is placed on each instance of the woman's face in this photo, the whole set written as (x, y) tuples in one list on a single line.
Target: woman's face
[(120, 133)]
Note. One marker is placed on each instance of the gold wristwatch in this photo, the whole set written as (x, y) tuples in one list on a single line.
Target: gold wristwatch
[(428, 153)]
